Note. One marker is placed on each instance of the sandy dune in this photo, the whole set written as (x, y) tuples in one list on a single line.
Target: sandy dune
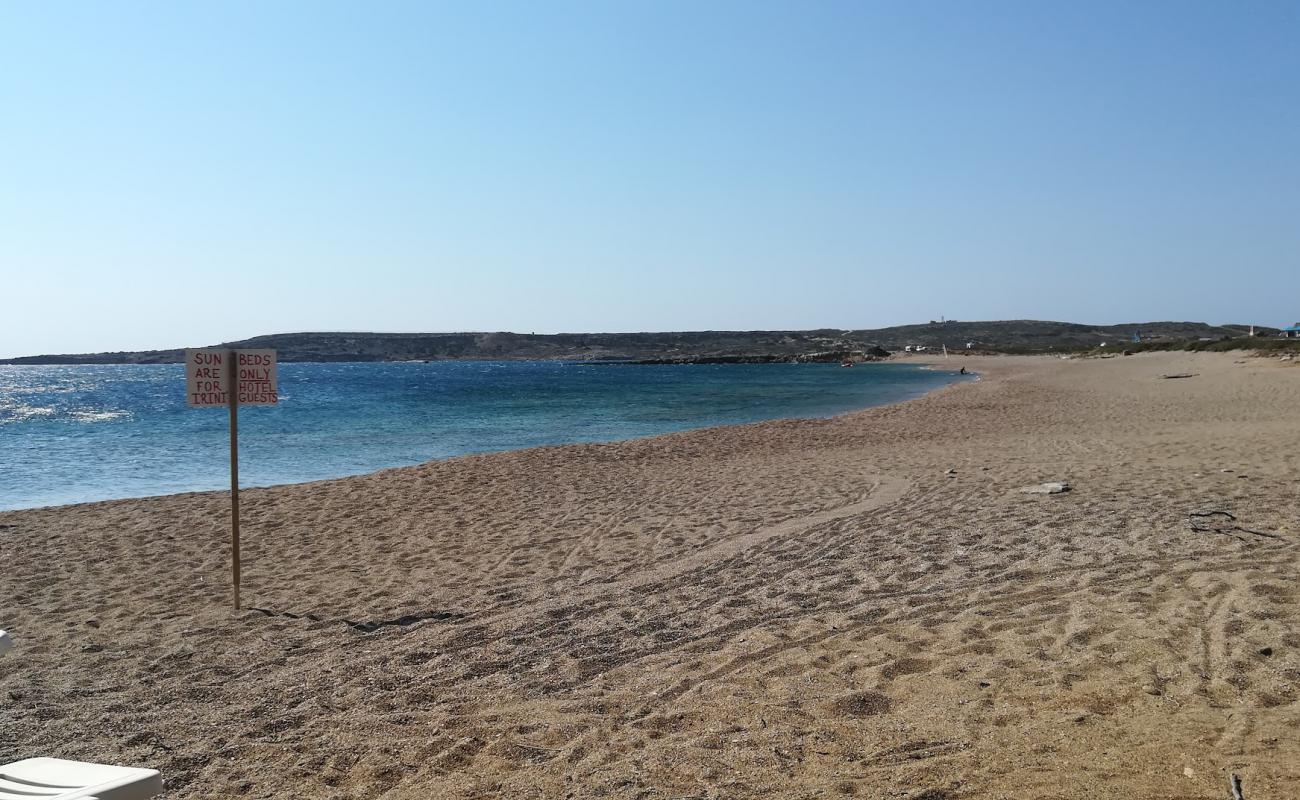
[(793, 609)]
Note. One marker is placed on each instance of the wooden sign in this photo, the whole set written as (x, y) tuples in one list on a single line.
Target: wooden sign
[(209, 376)]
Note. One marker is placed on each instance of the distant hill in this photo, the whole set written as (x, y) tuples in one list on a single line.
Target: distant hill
[(1029, 335), (1001, 336)]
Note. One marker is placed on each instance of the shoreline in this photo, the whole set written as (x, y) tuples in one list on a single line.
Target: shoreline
[(919, 363), (777, 609)]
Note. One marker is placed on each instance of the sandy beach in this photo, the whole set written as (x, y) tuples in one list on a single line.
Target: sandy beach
[(866, 606)]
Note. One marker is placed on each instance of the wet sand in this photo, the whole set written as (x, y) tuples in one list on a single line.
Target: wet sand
[(791, 609)]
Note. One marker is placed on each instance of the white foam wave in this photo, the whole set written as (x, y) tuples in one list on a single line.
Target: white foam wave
[(99, 416), (20, 412)]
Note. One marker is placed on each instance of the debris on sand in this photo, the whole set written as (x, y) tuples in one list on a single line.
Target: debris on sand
[(1223, 523), (1054, 487), (1180, 375)]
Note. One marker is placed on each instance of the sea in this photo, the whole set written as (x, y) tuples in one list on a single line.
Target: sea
[(72, 434)]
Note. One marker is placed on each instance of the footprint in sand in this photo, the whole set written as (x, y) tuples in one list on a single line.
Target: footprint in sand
[(904, 666), (863, 704)]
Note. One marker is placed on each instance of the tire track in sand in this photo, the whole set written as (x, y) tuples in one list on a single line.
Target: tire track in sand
[(884, 491)]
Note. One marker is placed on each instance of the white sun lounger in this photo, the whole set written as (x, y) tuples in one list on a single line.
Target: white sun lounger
[(50, 778), (60, 779)]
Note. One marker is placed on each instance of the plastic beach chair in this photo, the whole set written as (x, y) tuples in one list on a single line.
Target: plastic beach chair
[(60, 779), (56, 778)]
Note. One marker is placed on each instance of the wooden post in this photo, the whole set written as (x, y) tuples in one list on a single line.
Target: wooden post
[(232, 398)]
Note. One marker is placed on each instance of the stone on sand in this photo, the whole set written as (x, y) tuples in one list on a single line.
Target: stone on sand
[(1054, 487)]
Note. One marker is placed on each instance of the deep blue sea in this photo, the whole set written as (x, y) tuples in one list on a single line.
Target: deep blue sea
[(80, 433)]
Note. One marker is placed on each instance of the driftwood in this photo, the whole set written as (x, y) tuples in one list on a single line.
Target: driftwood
[(1234, 783), (1201, 522), (1180, 375)]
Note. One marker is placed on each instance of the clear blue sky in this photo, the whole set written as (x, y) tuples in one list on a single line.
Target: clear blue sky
[(186, 173)]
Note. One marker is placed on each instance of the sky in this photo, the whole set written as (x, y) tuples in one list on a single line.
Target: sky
[(183, 174)]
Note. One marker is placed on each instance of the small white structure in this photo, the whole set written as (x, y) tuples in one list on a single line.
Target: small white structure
[(6, 643), (60, 779)]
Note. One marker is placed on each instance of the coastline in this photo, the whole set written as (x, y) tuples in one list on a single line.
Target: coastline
[(820, 605), (255, 484)]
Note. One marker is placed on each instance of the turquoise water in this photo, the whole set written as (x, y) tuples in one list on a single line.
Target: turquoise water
[(78, 433)]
